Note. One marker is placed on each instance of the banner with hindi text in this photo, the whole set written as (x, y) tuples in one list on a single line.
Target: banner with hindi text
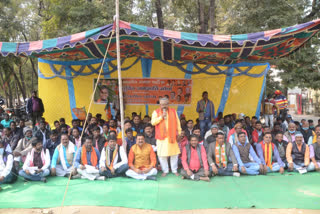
[(141, 91)]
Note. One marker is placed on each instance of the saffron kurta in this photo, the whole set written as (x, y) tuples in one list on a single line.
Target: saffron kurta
[(164, 147)]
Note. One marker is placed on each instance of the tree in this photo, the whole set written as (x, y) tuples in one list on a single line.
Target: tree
[(159, 14), (212, 16), (244, 16)]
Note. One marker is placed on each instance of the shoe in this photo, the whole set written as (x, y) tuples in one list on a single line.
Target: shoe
[(67, 175), (44, 180), (77, 176), (236, 174), (153, 178), (101, 178)]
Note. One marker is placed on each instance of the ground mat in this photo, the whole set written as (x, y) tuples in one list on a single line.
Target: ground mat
[(290, 190)]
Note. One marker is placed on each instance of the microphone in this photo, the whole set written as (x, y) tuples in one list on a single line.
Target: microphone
[(165, 113)]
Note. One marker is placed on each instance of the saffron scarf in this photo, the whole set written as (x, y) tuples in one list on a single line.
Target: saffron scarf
[(221, 156), (161, 129), (109, 163), (314, 137), (268, 154), (94, 158), (43, 158)]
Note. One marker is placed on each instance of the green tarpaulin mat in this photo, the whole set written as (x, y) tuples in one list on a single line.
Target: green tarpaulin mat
[(170, 193)]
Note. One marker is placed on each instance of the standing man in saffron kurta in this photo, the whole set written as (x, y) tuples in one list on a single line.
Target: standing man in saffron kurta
[(167, 127)]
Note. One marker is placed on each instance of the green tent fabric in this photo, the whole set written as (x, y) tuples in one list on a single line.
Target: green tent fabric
[(291, 190)]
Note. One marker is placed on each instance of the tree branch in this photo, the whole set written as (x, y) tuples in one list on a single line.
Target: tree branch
[(315, 9)]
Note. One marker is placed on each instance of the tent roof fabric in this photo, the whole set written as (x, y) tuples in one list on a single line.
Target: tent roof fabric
[(154, 43)]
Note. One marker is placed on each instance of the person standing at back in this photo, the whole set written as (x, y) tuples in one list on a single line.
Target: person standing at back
[(282, 103), (205, 108), (35, 108)]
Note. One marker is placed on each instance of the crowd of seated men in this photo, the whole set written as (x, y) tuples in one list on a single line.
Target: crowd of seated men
[(233, 145)]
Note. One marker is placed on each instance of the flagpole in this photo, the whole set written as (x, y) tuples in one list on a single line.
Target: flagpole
[(119, 69)]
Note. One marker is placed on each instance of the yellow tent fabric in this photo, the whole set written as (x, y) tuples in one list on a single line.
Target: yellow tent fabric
[(234, 88)]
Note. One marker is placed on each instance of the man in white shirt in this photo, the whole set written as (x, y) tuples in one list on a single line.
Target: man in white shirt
[(37, 163), (113, 159), (6, 162)]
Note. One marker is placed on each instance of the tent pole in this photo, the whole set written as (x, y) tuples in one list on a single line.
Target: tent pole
[(119, 70)]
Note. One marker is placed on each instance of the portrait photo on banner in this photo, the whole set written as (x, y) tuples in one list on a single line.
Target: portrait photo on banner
[(107, 91), (141, 91)]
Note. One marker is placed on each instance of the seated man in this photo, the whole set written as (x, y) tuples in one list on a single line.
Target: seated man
[(142, 160), (53, 142), (221, 157), (6, 121), (149, 137), (87, 161), (197, 131), (313, 138), (62, 159), (315, 156), (269, 155), (289, 135), (127, 124), (24, 146), (36, 166), (113, 160), (194, 161), (7, 138), (242, 149), (233, 133), (297, 153), (130, 140), (75, 137), (42, 133), (6, 163), (98, 140), (257, 134), (16, 135), (281, 146), (211, 138), (234, 136)]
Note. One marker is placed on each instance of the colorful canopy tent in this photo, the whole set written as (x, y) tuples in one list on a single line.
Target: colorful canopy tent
[(153, 43), (232, 68)]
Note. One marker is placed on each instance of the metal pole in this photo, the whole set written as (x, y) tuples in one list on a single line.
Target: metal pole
[(119, 69)]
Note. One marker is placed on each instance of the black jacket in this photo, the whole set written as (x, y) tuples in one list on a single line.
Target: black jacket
[(29, 105)]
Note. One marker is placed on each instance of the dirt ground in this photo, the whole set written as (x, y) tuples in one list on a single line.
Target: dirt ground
[(120, 210)]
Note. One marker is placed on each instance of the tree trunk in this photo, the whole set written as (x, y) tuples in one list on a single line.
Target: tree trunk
[(314, 10), (17, 93), (22, 83), (33, 68), (18, 82), (201, 16), (7, 82), (4, 88), (159, 14), (10, 96), (212, 16)]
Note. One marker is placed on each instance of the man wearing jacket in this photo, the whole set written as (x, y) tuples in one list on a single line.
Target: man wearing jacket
[(35, 107), (205, 108)]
